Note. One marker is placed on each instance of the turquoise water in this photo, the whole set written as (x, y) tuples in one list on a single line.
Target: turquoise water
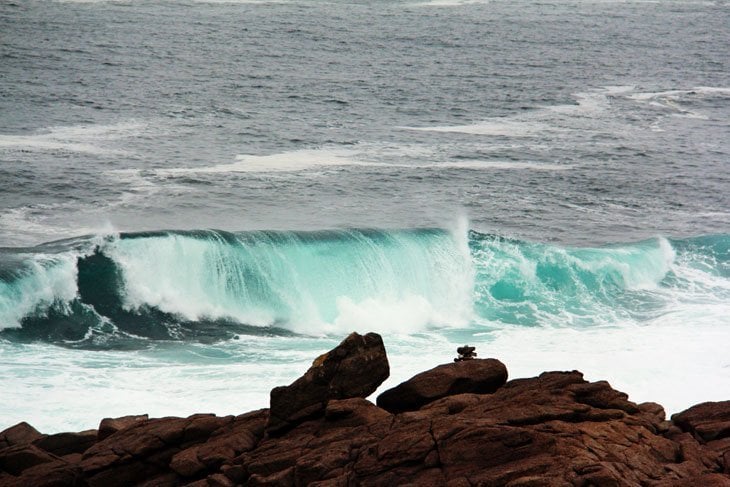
[(121, 291)]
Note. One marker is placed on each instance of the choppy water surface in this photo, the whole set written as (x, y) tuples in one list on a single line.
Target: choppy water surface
[(198, 198)]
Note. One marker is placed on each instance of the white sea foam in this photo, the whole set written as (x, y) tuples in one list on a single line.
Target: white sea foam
[(670, 100), (640, 268), (712, 90), (450, 306), (45, 142), (19, 226), (82, 387), (44, 280), (556, 120), (93, 139), (641, 357), (449, 3), (698, 90), (310, 286), (593, 112), (262, 2), (36, 224), (292, 161), (507, 127), (282, 162), (409, 314), (318, 159), (639, 360)]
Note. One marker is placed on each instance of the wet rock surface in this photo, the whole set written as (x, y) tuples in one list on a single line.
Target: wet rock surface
[(556, 429)]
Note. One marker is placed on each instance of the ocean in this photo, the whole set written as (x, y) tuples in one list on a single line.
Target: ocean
[(197, 198)]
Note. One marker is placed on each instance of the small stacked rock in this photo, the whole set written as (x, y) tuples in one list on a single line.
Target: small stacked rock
[(465, 353)]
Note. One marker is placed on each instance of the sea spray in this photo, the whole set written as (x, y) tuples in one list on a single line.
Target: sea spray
[(37, 283), (307, 282), (213, 285)]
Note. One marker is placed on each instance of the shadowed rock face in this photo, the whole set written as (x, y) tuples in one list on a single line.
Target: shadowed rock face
[(709, 421), (67, 443), (355, 368), (553, 430), (19, 434), (475, 376)]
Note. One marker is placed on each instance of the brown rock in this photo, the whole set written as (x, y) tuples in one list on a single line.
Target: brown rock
[(480, 376), (20, 434), (56, 473), (132, 473), (707, 421), (109, 426), (145, 450), (722, 448), (164, 480), (16, 459), (66, 443), (219, 480), (553, 430), (186, 463), (198, 483), (355, 368), (705, 480), (223, 445), (236, 473)]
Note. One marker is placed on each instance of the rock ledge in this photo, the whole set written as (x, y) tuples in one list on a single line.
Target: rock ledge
[(466, 427)]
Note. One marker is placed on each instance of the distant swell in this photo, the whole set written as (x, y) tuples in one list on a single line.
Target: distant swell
[(125, 290)]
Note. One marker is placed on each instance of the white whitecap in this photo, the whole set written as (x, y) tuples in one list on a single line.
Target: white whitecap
[(310, 159), (449, 3), (553, 120), (499, 127), (92, 139), (44, 281)]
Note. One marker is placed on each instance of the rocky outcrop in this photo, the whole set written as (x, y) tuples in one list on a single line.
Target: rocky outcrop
[(67, 443), (16, 459), (556, 429), (355, 368), (465, 376), (109, 426), (20, 434), (709, 423)]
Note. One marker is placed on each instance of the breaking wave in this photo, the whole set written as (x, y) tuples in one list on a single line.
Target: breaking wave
[(120, 291)]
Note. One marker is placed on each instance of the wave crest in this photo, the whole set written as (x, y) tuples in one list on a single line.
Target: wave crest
[(211, 285)]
